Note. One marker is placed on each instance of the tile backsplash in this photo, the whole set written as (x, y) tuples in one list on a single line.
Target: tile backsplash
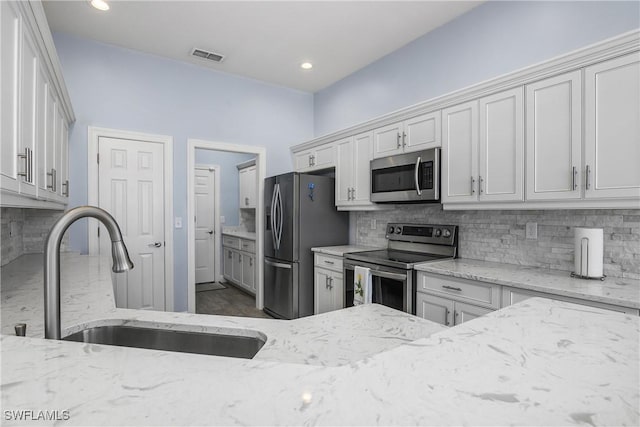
[(499, 236), (24, 231)]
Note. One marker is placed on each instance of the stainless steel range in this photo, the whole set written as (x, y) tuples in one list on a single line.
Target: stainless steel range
[(392, 274)]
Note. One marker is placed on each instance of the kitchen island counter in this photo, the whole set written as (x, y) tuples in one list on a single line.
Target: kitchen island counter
[(538, 362)]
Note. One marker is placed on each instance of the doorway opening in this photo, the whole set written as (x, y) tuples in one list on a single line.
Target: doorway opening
[(224, 228)]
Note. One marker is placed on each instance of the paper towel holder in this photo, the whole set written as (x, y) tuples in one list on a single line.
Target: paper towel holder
[(584, 245)]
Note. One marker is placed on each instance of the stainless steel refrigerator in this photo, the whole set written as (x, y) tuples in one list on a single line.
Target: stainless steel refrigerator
[(300, 214)]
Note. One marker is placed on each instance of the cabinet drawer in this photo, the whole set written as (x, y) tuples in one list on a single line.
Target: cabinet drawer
[(329, 262), (486, 294), (248, 246), (230, 242)]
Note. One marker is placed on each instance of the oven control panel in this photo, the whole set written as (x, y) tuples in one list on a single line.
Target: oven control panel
[(423, 233)]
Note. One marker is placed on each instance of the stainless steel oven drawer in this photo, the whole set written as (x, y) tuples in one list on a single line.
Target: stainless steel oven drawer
[(479, 293)]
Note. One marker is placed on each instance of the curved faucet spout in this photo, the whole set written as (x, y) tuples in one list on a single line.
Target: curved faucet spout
[(121, 260)]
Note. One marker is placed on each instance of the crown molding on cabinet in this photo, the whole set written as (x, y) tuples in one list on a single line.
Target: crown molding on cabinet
[(36, 20), (616, 46)]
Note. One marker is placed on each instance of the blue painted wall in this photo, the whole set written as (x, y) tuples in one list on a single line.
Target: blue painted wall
[(229, 182), (123, 89), (493, 39)]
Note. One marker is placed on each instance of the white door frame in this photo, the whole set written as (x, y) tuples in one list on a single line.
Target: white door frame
[(261, 161), (94, 133), (216, 221)]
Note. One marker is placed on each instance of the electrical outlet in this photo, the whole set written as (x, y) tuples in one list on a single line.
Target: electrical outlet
[(222, 219), (374, 224), (13, 229), (178, 222), (531, 230)]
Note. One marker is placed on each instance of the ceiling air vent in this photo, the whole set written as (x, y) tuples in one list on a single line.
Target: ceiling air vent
[(211, 56)]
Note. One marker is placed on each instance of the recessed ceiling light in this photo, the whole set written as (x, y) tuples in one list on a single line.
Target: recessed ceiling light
[(306, 65), (100, 4)]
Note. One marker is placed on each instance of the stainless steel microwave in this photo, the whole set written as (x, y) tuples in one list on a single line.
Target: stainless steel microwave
[(410, 177)]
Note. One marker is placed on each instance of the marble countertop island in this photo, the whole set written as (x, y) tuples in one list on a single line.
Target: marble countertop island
[(539, 362), (612, 290)]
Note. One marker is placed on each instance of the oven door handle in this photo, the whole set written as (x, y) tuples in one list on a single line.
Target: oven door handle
[(415, 176), (387, 275)]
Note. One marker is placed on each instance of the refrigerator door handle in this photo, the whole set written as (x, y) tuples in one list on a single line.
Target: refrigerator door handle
[(273, 219), (277, 264), (281, 217)]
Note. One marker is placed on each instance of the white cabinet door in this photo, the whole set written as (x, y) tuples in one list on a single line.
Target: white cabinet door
[(501, 176), (27, 114), (247, 181), (460, 153), (227, 265), (9, 66), (50, 137), (302, 161), (248, 272), (612, 128), (422, 132), (344, 171), (554, 118), (362, 155), (387, 140), (436, 309), (323, 295), (324, 157), (465, 312)]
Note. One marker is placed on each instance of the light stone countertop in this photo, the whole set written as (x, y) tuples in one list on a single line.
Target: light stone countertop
[(539, 362), (249, 235), (613, 290), (341, 250)]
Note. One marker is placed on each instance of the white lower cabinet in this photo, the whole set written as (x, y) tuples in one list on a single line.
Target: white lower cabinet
[(239, 263), (328, 283), (514, 295), (450, 301)]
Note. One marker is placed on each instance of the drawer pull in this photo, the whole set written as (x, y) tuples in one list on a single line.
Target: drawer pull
[(452, 288), (329, 262)]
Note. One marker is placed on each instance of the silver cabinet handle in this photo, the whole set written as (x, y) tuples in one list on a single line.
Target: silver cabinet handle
[(574, 175), (246, 201), (398, 140), (588, 178), (446, 317), (53, 176), (65, 188), (250, 262), (473, 185), (480, 181), (230, 255), (328, 262), (155, 245), (452, 288), (415, 175), (28, 165), (326, 282), (404, 138)]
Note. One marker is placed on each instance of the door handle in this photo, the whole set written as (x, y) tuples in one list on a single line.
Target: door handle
[(155, 245), (399, 145), (280, 216), (273, 215), (210, 231), (277, 264), (416, 176)]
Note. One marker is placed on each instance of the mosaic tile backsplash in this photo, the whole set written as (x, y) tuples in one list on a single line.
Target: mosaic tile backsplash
[(499, 236)]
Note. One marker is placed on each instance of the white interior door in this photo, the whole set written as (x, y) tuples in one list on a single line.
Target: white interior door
[(204, 198), (130, 187)]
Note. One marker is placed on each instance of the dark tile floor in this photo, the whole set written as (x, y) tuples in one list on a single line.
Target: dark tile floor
[(228, 302)]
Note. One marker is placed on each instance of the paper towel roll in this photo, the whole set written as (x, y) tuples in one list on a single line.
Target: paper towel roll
[(589, 252)]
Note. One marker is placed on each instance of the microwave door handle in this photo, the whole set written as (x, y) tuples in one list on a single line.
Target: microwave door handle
[(436, 173), (416, 176)]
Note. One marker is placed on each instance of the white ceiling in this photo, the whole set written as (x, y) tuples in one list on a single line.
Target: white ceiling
[(264, 40)]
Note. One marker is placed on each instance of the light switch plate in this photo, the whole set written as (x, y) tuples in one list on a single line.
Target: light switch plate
[(531, 231), (374, 224), (222, 219), (178, 222)]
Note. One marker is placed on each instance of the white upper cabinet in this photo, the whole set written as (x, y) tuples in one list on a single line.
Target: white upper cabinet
[(320, 157), (9, 63), (248, 186), (415, 134), (460, 153), (554, 123), (34, 109), (352, 171), (501, 146), (612, 128)]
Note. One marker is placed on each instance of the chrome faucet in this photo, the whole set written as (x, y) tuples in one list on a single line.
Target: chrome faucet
[(121, 261)]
